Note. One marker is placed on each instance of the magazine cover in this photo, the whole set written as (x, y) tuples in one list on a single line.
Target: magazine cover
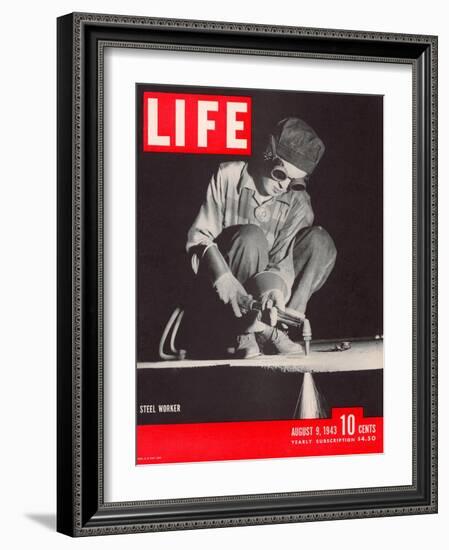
[(259, 273)]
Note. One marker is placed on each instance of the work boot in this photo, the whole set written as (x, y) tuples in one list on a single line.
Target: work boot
[(247, 346), (273, 340)]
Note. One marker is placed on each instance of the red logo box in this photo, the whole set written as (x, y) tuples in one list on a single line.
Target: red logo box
[(196, 123)]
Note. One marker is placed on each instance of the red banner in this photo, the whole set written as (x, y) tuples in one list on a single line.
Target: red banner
[(347, 432), (196, 123)]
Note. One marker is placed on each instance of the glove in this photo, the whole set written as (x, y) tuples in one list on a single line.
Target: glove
[(273, 300), (231, 291), (270, 289)]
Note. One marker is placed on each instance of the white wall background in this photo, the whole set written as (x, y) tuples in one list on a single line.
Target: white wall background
[(28, 282)]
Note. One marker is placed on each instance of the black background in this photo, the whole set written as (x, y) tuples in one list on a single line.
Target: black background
[(226, 394), (346, 191)]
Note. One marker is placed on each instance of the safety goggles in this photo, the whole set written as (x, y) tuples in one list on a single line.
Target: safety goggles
[(279, 173)]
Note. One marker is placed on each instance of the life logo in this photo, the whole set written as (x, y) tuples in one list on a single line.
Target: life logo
[(196, 123)]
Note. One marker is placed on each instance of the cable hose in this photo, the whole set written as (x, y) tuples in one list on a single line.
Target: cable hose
[(173, 326)]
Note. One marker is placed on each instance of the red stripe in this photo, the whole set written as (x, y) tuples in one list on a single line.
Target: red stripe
[(342, 434)]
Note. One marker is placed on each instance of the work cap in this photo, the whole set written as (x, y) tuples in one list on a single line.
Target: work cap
[(296, 142)]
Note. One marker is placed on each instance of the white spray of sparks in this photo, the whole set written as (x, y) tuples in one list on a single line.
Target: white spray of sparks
[(310, 402)]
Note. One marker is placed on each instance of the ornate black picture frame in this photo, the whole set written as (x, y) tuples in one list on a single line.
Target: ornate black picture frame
[(81, 507)]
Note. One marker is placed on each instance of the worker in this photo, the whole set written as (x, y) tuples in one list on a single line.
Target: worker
[(254, 237)]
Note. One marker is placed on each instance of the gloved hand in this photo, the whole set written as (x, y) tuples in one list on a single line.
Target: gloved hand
[(273, 300), (231, 291)]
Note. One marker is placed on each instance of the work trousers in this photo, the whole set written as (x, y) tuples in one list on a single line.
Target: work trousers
[(245, 249), (209, 328)]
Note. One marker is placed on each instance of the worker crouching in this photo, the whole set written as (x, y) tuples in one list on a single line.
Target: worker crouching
[(253, 238)]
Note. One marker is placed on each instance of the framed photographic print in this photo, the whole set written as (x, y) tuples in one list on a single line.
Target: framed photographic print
[(246, 274)]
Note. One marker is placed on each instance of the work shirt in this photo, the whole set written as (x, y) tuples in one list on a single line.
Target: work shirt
[(231, 199)]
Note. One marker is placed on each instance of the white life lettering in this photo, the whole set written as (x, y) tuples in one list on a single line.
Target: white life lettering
[(153, 137), (180, 130), (204, 124), (232, 125)]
